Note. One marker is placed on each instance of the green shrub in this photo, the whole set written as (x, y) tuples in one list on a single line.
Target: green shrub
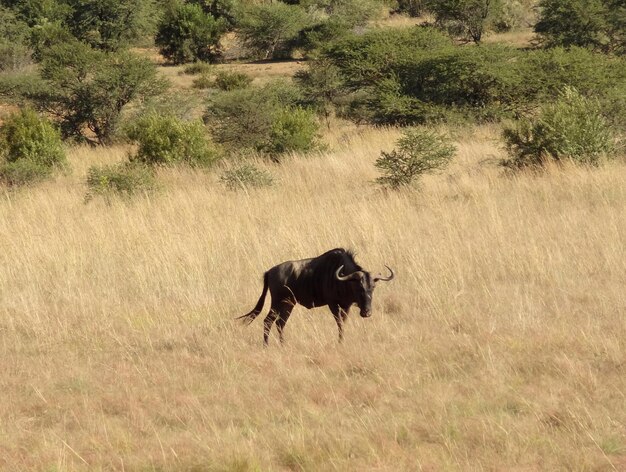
[(30, 149), (246, 176), (88, 89), (26, 136), (188, 34), (203, 68), (596, 24), (321, 85), (204, 81), (572, 128), (419, 151), (243, 118), (14, 51), (293, 130), (415, 76), (367, 58), (166, 140), (267, 30), (225, 80), (124, 180), (22, 172), (467, 19), (545, 72)]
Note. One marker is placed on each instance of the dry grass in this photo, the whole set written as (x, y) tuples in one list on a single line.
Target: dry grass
[(499, 346)]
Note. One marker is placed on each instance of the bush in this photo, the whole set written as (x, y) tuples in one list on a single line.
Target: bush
[(188, 34), (204, 81), (243, 118), (419, 151), (23, 172), (203, 68), (166, 140), (225, 80), (246, 176), (88, 89), (293, 130), (268, 29), (596, 24), (26, 136), (467, 19), (572, 128), (14, 52), (415, 76), (30, 149), (123, 180)]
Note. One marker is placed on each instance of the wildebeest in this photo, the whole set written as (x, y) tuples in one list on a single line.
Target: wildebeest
[(332, 279)]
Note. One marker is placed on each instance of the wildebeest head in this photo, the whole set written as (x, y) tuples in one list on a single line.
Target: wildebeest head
[(362, 284)]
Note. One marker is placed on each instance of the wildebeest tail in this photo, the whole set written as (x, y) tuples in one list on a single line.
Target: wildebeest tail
[(249, 317)]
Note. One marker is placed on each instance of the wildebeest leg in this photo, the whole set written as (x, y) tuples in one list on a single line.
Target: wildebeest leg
[(267, 324), (339, 315), (284, 311)]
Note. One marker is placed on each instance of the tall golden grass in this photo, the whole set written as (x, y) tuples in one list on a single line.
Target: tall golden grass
[(500, 345)]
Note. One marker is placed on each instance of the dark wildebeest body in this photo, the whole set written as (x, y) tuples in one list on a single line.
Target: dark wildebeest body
[(332, 279)]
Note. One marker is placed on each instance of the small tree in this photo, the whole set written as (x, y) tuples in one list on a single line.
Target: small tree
[(14, 52), (110, 25), (268, 29), (595, 24), (166, 140), (30, 148), (321, 84), (87, 89), (464, 18), (243, 118), (188, 34), (419, 151), (572, 128)]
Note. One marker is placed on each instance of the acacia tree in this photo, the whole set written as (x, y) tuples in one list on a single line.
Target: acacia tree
[(268, 29), (464, 18), (596, 24), (188, 34), (86, 89)]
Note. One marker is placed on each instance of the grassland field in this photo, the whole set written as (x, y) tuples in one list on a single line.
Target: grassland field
[(499, 346)]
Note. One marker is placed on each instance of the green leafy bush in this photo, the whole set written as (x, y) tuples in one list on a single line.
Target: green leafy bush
[(22, 172), (267, 30), (204, 81), (467, 19), (14, 51), (246, 176), (203, 68), (30, 149), (88, 89), (226, 80), (415, 76), (293, 130), (419, 151), (166, 140), (124, 180), (572, 128), (243, 118), (26, 136), (188, 34), (596, 24)]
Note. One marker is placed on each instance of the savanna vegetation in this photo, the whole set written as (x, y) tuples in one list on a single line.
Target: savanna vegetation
[(157, 156)]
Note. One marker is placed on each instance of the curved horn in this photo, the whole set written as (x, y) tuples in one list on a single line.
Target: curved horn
[(384, 279), (345, 278)]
